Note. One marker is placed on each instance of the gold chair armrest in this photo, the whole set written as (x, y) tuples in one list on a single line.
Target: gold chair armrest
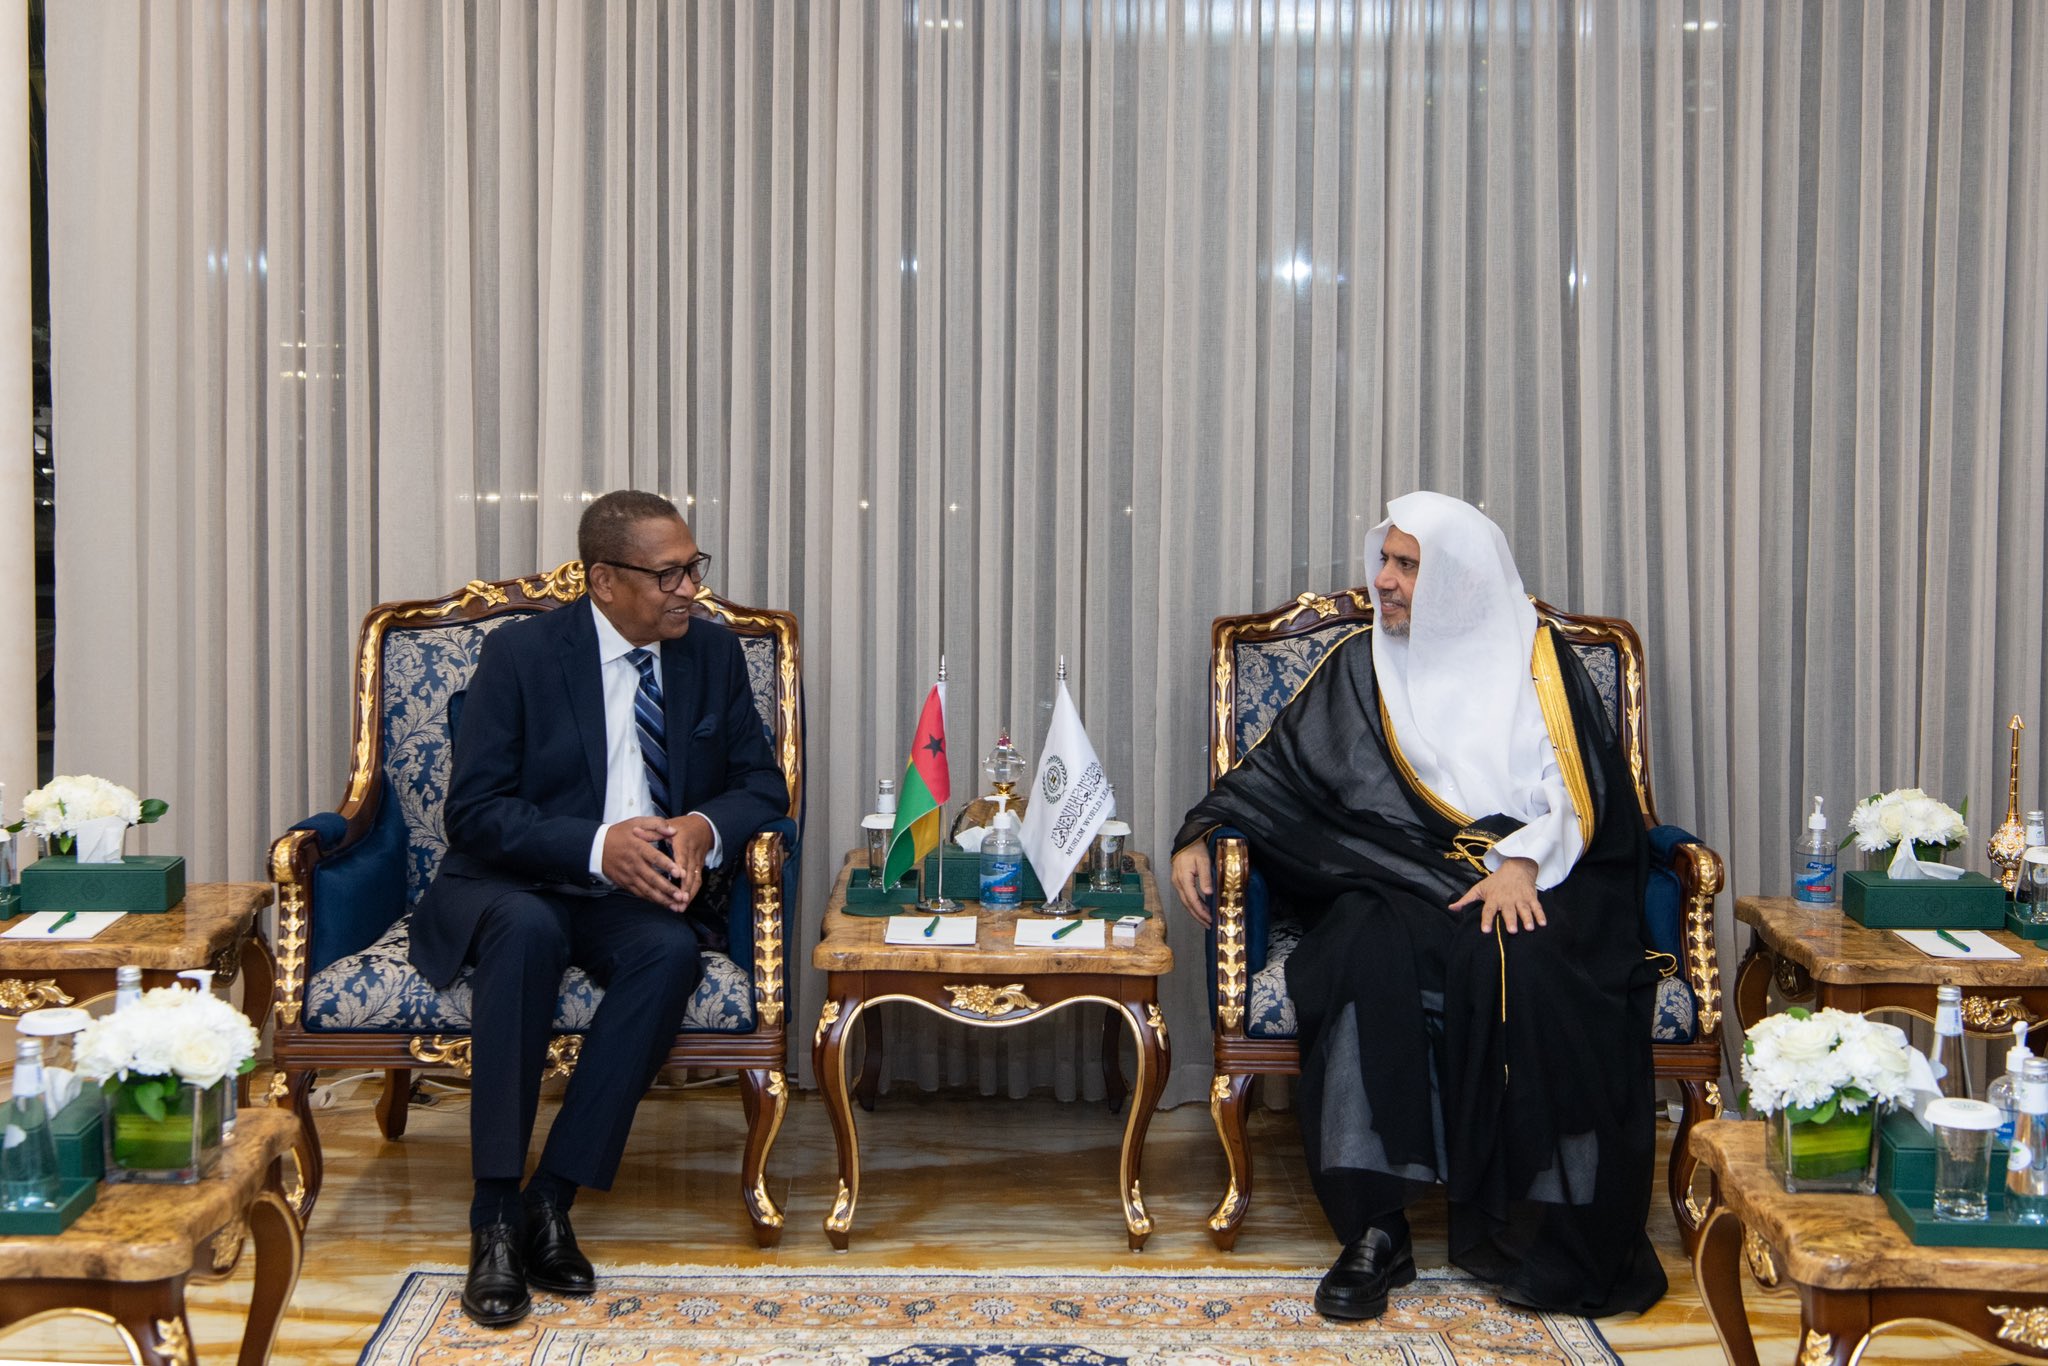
[(765, 854), (1701, 876), (292, 857), (1233, 870)]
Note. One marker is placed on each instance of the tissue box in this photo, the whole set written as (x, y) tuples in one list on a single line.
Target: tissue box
[(74, 1197), (1972, 902), (142, 883), (80, 1150)]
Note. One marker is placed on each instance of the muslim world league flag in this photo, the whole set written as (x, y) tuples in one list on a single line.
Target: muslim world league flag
[(1070, 799), (925, 786)]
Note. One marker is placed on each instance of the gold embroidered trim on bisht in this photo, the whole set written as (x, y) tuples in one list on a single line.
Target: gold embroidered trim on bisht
[(1437, 804), (1564, 737)]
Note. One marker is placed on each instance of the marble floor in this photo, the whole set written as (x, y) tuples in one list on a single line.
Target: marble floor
[(949, 1180)]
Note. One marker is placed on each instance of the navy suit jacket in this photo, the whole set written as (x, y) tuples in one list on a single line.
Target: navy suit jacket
[(526, 791)]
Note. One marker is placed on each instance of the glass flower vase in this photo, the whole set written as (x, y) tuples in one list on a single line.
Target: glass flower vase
[(160, 1129), (1838, 1155)]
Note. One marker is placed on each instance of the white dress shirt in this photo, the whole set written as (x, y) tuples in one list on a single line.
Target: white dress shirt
[(625, 772)]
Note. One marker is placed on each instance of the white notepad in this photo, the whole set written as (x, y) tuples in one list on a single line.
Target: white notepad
[(84, 925), (1975, 944), (947, 931), (1037, 933)]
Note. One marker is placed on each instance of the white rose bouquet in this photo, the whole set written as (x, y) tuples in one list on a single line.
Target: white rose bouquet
[(171, 1036), (1883, 820), (1815, 1064), (65, 807)]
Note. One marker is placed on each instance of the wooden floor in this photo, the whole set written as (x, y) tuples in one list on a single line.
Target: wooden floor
[(949, 1180)]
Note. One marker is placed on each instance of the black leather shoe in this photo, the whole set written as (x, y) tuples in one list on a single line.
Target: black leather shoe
[(495, 1295), (553, 1261), (1356, 1285)]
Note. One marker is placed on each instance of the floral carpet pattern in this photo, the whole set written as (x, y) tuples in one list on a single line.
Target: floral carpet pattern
[(773, 1316)]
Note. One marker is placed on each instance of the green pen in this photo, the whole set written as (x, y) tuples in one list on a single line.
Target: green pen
[(1948, 938), (62, 921), (932, 928), (1063, 931)]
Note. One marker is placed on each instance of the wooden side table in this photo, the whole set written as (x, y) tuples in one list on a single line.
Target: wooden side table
[(213, 927), (992, 986), (125, 1262), (1818, 954), (1854, 1268)]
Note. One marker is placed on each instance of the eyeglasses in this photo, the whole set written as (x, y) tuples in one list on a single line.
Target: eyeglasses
[(671, 578)]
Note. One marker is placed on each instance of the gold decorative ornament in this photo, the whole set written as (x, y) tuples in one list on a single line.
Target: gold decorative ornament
[(1696, 1210), (1762, 1265), (2026, 1326), (841, 1217), (17, 995), (564, 1052), (762, 872), (828, 1015), (1714, 1098), (278, 1088), (1987, 1016), (443, 1052), (564, 583), (1226, 1208), (2008, 843), (363, 769), (760, 1206), (1223, 692), (295, 1193), (1702, 964), (173, 1343), (778, 1086), (1219, 1090), (227, 1244), (1135, 1218), (291, 925), (1234, 863), (988, 1002), (1156, 1020), (1818, 1350)]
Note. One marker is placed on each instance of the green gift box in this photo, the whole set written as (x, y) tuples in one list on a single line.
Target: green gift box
[(144, 883), (1971, 902), (81, 1151)]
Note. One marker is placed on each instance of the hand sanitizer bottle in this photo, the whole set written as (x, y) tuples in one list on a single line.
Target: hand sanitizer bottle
[(1002, 865), (1813, 863), (2002, 1092), (2026, 1169)]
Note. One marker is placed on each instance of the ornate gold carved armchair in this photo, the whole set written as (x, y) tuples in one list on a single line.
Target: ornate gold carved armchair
[(347, 879), (1257, 662)]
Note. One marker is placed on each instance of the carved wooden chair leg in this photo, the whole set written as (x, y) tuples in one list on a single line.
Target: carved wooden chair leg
[(1113, 1085), (870, 1084), (393, 1104), (765, 1096), (1227, 1097)]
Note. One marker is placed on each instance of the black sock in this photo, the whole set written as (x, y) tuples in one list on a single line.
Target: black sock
[(1394, 1225), (496, 1202), (556, 1190)]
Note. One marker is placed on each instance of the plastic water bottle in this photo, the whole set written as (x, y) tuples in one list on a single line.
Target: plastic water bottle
[(28, 1154), (2026, 1169), (1002, 865), (2001, 1092), (1951, 1065), (1813, 862), (127, 987)]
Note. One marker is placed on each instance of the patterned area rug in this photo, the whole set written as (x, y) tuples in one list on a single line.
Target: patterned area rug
[(773, 1316)]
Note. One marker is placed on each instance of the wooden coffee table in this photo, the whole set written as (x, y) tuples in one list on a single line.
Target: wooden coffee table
[(1854, 1268), (990, 986), (213, 927), (127, 1259), (1818, 954)]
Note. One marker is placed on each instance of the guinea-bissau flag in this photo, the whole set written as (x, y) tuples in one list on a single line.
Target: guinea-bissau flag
[(925, 786)]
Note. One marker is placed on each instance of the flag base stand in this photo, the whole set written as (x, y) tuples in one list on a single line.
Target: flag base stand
[(938, 905)]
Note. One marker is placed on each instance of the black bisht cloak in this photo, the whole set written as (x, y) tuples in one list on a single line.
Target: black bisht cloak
[(1537, 1044)]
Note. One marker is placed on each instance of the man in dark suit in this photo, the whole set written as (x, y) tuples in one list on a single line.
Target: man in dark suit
[(607, 753)]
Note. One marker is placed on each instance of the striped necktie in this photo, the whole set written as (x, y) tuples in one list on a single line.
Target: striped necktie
[(647, 721)]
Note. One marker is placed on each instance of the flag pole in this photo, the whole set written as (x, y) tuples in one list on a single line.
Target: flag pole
[(940, 904)]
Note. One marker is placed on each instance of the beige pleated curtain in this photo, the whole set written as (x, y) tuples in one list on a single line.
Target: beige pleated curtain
[(1013, 331)]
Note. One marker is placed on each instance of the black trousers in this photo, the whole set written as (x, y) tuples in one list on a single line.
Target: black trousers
[(646, 960)]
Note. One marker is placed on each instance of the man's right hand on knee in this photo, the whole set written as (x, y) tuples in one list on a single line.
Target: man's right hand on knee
[(633, 861), (1194, 878)]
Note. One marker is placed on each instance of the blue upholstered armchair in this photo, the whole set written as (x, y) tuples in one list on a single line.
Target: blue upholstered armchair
[(1256, 664), (347, 881)]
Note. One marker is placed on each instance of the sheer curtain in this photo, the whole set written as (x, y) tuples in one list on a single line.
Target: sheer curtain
[(1007, 332)]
